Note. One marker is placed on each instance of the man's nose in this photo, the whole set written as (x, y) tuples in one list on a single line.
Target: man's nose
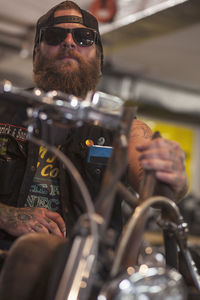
[(69, 41)]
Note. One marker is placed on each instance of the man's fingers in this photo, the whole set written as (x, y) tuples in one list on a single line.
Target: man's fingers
[(161, 153), (48, 222), (51, 226), (39, 228), (161, 165), (57, 219), (175, 180)]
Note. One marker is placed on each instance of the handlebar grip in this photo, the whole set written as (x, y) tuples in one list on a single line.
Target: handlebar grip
[(150, 185)]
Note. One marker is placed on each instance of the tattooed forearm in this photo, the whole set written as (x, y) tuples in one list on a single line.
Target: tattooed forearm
[(141, 131)]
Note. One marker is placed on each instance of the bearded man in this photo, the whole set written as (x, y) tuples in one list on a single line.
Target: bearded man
[(68, 56), (36, 194)]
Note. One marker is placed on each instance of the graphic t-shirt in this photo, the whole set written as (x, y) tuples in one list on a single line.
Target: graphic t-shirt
[(44, 191)]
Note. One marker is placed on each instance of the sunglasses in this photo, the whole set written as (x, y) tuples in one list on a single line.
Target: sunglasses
[(53, 36)]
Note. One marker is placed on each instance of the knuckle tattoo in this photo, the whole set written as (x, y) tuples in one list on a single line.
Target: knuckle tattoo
[(39, 226), (47, 220)]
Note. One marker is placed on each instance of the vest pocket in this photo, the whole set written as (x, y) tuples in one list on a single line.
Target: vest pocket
[(12, 164), (10, 174)]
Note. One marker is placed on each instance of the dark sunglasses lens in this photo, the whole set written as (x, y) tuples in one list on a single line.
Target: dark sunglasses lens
[(84, 37), (54, 35)]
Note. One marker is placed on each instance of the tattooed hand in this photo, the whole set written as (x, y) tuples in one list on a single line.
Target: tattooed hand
[(18, 221), (163, 156), (166, 158)]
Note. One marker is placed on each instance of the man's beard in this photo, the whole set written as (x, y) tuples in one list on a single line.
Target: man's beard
[(49, 74)]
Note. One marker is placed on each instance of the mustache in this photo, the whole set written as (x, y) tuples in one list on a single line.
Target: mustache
[(70, 53)]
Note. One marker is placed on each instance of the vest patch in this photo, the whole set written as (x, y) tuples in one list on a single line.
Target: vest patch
[(18, 132)]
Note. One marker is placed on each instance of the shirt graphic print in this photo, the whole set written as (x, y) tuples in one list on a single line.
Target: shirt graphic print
[(44, 191)]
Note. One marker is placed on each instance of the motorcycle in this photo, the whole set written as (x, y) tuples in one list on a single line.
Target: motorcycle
[(95, 265)]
